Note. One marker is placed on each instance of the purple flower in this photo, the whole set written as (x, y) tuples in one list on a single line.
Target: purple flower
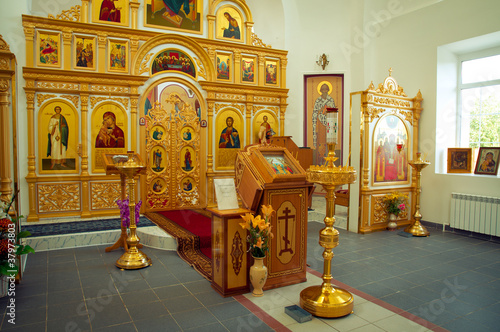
[(125, 211)]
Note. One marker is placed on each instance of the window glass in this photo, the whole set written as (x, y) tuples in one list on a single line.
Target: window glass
[(479, 70)]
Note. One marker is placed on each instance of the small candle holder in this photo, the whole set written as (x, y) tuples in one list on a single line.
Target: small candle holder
[(416, 228)]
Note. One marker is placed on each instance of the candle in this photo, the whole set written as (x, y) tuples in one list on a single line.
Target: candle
[(332, 125)]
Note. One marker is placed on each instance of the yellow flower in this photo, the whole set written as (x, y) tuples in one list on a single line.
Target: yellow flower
[(248, 219), (267, 210), (256, 221), (259, 242)]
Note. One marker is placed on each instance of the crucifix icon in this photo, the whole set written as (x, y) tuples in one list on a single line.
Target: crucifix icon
[(285, 237)]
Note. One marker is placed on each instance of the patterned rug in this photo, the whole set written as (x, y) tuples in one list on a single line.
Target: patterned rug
[(188, 244)]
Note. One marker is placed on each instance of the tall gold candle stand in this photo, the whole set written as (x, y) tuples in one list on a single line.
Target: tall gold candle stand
[(132, 258), (416, 228), (327, 300)]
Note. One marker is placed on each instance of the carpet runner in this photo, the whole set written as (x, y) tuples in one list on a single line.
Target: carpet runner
[(193, 232)]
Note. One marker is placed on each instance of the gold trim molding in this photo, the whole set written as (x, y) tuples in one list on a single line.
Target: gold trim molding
[(72, 14)]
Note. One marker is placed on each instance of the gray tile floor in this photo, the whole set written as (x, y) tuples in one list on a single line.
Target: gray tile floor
[(450, 280)]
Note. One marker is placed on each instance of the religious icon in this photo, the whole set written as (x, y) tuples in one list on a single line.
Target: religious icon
[(187, 161), (487, 161), (223, 67), (110, 135), (183, 15), (109, 12), (48, 49), (229, 24), (157, 158), (84, 52), (229, 138), (186, 135), (118, 56), (248, 70), (58, 139), (157, 134), (390, 165), (271, 77), (173, 60), (266, 132), (187, 185), (157, 186)]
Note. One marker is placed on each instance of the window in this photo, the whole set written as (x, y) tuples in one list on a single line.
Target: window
[(479, 101)]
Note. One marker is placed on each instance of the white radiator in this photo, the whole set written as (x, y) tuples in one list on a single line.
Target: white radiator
[(480, 214)]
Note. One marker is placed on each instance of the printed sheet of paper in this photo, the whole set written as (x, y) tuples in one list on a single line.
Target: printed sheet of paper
[(225, 192)]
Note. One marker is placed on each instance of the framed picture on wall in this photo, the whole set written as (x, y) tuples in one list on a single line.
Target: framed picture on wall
[(320, 92), (84, 52), (118, 56), (459, 160), (224, 66), (183, 16), (271, 72), (48, 45), (113, 12), (487, 161), (248, 69)]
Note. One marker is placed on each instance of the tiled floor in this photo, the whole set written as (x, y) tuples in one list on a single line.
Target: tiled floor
[(445, 279)]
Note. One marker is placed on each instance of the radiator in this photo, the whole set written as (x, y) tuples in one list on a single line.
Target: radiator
[(480, 214)]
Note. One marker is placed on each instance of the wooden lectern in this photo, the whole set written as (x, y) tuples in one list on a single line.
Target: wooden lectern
[(271, 175)]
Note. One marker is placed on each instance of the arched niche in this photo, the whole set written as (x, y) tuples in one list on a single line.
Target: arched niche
[(142, 62)]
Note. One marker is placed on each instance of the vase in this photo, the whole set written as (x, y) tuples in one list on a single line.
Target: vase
[(258, 276), (392, 225)]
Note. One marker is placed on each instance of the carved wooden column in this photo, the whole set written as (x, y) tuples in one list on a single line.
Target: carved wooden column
[(67, 35), (7, 71), (248, 120), (283, 64), (84, 12), (133, 118), (211, 26), (262, 69), (84, 97), (31, 177), (237, 67), (134, 8), (248, 32), (29, 35), (134, 46), (101, 52)]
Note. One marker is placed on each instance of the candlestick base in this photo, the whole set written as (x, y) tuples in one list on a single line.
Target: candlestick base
[(327, 301), (417, 229), (133, 260)]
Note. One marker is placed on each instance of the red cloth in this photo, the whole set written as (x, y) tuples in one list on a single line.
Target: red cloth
[(195, 223)]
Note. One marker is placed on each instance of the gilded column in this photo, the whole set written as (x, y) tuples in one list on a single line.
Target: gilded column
[(237, 67), (5, 135), (29, 33), (248, 32), (282, 118), (134, 8), (67, 49), (134, 46), (101, 52), (84, 13), (283, 63), (262, 62), (211, 26), (211, 129), (31, 177), (248, 113), (85, 178), (134, 100)]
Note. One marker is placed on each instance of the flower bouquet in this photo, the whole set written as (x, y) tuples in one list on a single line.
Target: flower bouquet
[(259, 231), (395, 202)]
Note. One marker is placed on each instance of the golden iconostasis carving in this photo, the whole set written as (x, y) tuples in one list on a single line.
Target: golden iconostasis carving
[(116, 80), (389, 138)]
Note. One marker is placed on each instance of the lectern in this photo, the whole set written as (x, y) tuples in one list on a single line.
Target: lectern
[(270, 175)]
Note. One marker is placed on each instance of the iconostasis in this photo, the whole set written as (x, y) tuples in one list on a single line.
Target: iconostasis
[(101, 80), (388, 132)]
